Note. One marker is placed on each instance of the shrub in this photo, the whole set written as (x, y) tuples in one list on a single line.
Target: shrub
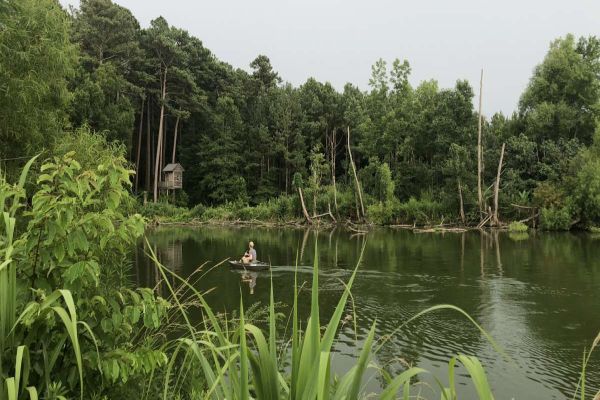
[(219, 213), (163, 210), (517, 226), (381, 213), (420, 212), (555, 219), (547, 195), (197, 211)]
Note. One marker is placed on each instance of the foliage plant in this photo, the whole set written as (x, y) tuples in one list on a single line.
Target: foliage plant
[(69, 320)]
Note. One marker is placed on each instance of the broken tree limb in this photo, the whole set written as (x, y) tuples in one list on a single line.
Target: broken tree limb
[(530, 218)]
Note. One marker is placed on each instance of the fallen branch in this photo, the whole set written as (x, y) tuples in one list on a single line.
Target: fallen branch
[(530, 218), (484, 221)]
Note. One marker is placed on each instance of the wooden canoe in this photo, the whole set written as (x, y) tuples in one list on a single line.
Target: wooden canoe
[(254, 266)]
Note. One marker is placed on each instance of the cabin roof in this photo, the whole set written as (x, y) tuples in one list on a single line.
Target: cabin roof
[(173, 167)]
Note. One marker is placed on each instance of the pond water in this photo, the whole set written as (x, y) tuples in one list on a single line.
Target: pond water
[(538, 295)]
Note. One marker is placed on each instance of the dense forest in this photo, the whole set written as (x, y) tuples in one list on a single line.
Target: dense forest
[(248, 137)]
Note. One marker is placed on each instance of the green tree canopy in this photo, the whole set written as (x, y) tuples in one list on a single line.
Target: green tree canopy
[(36, 59)]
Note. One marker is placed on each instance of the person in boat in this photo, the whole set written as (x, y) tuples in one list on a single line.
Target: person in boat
[(250, 254)]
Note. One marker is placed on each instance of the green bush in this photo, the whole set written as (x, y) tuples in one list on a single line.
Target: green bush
[(163, 210), (420, 212), (381, 213), (218, 213), (517, 226), (555, 219), (197, 211)]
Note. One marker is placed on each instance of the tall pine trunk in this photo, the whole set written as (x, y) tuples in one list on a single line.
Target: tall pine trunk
[(160, 136), (148, 149), (139, 147), (175, 140)]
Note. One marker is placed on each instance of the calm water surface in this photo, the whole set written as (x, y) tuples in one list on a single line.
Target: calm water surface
[(537, 295)]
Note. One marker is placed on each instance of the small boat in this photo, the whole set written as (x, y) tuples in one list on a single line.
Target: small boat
[(253, 266)]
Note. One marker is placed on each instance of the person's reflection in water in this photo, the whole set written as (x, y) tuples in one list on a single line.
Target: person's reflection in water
[(250, 278)]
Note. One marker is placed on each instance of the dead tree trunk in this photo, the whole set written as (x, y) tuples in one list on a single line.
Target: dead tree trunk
[(304, 206), (479, 150), (497, 186), (332, 150), (462, 208), (160, 136), (139, 147), (175, 140), (358, 190)]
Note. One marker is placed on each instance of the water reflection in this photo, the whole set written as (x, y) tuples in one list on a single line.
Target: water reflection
[(537, 296), (249, 277)]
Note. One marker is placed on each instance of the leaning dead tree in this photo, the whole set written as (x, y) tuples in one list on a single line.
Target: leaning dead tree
[(495, 220), (304, 211), (358, 189), (297, 183)]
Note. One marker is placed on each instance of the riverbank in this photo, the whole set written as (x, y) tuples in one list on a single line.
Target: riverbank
[(416, 215), (272, 214)]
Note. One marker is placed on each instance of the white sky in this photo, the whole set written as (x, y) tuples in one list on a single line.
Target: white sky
[(338, 41)]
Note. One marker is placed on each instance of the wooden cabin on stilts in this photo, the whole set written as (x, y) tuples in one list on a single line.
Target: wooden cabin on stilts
[(172, 178)]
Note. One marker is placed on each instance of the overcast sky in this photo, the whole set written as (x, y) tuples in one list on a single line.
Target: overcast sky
[(338, 41)]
